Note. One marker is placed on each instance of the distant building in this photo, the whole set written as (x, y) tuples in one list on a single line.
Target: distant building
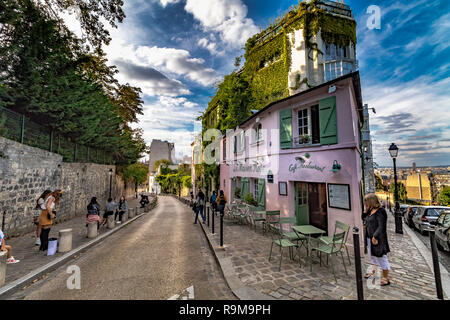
[(160, 150), (414, 166), (418, 188)]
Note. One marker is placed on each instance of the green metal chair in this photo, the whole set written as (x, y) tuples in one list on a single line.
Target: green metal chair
[(258, 215), (292, 235), (329, 239), (334, 248), (279, 241), (272, 218)]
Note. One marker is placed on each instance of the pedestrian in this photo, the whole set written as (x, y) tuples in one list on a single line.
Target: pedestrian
[(121, 208), (109, 211), (40, 206), (375, 218), (213, 201), (9, 258), (47, 216), (93, 214), (199, 205), (221, 202)]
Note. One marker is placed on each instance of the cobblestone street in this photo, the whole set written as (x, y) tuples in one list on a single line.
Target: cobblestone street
[(411, 278)]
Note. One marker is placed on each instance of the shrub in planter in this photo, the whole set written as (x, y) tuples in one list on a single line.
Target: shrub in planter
[(250, 200)]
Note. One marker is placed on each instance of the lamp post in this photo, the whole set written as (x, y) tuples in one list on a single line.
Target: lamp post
[(393, 151), (110, 182)]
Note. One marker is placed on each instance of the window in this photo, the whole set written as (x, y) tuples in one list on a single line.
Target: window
[(224, 149), (239, 142), (337, 69), (255, 188), (258, 133), (335, 52), (308, 125)]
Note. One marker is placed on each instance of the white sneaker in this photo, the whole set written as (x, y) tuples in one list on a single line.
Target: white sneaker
[(12, 260), (118, 222), (38, 242)]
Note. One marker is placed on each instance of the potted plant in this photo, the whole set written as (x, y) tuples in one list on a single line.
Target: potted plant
[(237, 193), (303, 139)]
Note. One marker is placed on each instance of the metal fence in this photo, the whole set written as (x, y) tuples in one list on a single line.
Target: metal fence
[(17, 127)]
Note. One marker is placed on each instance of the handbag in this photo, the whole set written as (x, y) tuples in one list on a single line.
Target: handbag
[(376, 250)]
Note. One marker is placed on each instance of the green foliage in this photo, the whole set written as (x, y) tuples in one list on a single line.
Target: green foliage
[(50, 77), (187, 182), (90, 14), (136, 173), (402, 196), (379, 184), (444, 198), (164, 162), (237, 192), (250, 200)]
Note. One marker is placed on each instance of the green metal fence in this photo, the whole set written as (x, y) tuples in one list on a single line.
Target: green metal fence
[(17, 127)]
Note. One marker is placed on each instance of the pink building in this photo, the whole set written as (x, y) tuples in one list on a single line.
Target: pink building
[(302, 156)]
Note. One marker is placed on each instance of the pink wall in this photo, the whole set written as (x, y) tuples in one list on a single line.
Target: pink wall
[(346, 152)]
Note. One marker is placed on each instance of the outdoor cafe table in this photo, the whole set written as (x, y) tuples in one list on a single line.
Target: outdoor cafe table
[(308, 231)]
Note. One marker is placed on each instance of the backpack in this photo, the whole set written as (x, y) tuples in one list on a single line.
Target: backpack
[(222, 200)]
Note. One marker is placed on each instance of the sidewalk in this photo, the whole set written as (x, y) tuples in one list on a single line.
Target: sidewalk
[(31, 258), (245, 264)]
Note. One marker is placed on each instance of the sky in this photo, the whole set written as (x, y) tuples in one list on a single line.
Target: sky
[(176, 51)]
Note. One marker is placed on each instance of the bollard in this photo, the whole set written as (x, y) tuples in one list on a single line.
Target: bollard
[(124, 217), (213, 231), (131, 213), (65, 240), (358, 270), (111, 222), (92, 230), (136, 213), (208, 216), (3, 256), (437, 271), (3, 220), (221, 230)]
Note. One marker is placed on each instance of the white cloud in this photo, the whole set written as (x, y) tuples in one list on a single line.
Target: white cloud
[(414, 115), (169, 118), (227, 17), (164, 3)]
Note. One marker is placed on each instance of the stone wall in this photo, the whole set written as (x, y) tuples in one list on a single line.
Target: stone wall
[(25, 172)]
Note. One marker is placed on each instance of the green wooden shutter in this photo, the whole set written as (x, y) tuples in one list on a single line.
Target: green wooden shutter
[(262, 193), (245, 187), (286, 129), (328, 121)]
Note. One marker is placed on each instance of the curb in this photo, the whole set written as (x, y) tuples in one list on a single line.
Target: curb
[(426, 254), (239, 289), (18, 284)]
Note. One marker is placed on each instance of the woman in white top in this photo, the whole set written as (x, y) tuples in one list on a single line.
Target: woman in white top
[(40, 206), (47, 216)]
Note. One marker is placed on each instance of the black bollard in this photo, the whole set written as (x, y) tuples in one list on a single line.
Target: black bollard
[(221, 230), (212, 227), (3, 221), (358, 270), (437, 271), (208, 216)]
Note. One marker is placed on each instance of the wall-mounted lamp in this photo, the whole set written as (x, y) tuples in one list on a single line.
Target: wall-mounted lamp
[(332, 89), (336, 166), (258, 120)]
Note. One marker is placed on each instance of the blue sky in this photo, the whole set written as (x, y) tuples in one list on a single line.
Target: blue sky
[(176, 50)]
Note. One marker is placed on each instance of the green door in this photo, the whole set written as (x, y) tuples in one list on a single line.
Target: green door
[(301, 203)]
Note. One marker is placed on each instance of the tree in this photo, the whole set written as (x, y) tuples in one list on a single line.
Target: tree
[(89, 14), (187, 181), (444, 198), (379, 183), (402, 196), (136, 173), (164, 162)]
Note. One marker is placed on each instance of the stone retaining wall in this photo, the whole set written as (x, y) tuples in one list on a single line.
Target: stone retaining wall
[(25, 172)]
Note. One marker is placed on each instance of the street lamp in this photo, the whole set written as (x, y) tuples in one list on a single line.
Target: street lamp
[(110, 182), (393, 151)]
